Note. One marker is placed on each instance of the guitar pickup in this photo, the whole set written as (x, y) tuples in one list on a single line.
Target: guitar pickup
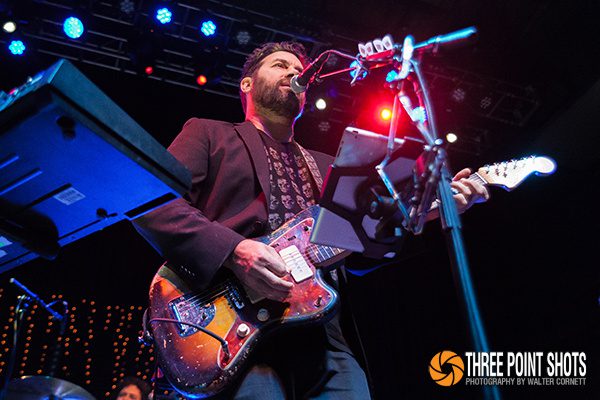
[(299, 269), (186, 309)]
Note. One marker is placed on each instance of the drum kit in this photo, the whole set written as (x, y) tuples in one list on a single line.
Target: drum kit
[(44, 388)]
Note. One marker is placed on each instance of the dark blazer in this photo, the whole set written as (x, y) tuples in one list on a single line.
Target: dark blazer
[(227, 201)]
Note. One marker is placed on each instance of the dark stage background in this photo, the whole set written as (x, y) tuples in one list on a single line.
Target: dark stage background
[(533, 252)]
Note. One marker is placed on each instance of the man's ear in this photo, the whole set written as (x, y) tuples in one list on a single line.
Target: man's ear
[(246, 84)]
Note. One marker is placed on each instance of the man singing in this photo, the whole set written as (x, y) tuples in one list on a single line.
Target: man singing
[(247, 180)]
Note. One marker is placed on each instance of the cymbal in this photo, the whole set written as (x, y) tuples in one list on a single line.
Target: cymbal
[(45, 388)]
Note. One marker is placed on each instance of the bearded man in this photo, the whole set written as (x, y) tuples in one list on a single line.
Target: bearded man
[(247, 180)]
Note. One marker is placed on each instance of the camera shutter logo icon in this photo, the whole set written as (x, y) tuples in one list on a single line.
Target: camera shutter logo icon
[(446, 368)]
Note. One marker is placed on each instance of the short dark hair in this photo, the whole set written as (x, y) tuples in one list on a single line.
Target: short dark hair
[(254, 59), (132, 380)]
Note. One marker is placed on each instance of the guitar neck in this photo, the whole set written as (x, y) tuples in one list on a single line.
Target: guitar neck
[(475, 177), (324, 255)]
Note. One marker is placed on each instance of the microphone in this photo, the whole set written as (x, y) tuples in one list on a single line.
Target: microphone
[(299, 83), (37, 299)]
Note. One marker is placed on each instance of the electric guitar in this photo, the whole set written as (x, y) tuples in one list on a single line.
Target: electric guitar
[(203, 338)]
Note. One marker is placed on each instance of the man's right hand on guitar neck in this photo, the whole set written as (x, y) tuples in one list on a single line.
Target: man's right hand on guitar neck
[(260, 267)]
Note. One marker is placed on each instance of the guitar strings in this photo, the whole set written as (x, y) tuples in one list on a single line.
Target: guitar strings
[(205, 297), (225, 286)]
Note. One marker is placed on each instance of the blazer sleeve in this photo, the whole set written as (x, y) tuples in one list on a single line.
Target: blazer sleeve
[(178, 230)]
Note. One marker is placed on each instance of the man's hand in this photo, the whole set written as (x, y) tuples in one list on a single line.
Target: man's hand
[(469, 192), (260, 267)]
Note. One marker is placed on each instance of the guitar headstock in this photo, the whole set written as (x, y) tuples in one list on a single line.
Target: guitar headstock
[(510, 174)]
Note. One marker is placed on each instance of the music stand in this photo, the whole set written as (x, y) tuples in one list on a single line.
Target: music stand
[(350, 217)]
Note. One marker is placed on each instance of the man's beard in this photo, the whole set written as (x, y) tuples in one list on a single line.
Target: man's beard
[(284, 103)]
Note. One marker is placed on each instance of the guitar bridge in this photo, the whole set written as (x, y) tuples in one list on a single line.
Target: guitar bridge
[(187, 310), (233, 296)]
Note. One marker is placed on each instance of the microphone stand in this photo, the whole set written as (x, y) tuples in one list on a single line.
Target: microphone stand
[(436, 174), (451, 224), (23, 305)]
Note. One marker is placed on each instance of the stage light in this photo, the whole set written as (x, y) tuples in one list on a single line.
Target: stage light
[(485, 103), (208, 28), (243, 37), (459, 95), (451, 137), (385, 114), (321, 104), (163, 15), (201, 80), (127, 6), (324, 126), (17, 47), (149, 70), (9, 26), (73, 27)]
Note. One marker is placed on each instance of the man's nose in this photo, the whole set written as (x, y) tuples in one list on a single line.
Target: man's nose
[(291, 71)]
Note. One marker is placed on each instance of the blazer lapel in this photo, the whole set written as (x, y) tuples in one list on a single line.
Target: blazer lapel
[(256, 149)]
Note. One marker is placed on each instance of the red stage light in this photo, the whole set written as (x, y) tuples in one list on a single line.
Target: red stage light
[(201, 80), (386, 114), (149, 70)]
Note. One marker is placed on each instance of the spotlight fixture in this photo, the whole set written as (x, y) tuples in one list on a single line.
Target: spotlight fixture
[(127, 6), (73, 27), (17, 47), (451, 137), (320, 104), (9, 26), (386, 114), (459, 95), (201, 80), (163, 15), (243, 37), (324, 126), (485, 103), (208, 28)]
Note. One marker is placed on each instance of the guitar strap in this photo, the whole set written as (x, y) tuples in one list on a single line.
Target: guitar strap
[(312, 166)]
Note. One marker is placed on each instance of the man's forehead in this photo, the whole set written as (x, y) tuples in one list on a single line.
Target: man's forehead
[(283, 55)]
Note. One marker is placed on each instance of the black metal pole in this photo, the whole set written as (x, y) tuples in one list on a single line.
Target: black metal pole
[(460, 269)]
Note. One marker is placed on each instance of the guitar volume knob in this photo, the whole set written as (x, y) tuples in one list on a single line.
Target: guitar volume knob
[(262, 315), (243, 330)]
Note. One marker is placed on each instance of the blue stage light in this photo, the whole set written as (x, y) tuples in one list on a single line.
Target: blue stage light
[(163, 15), (73, 27), (17, 47), (208, 28)]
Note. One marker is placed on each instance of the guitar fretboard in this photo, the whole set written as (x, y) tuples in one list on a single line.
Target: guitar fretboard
[(477, 178), (318, 253)]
